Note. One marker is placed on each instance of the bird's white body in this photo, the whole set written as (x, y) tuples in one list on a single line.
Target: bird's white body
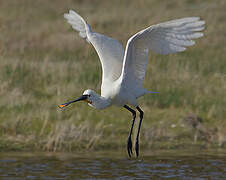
[(123, 72)]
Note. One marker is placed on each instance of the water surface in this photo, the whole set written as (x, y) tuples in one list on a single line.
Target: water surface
[(111, 165)]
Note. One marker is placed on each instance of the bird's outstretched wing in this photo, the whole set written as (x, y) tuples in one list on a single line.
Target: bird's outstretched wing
[(165, 38), (109, 50)]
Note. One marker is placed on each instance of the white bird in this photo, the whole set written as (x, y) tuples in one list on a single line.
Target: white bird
[(123, 72)]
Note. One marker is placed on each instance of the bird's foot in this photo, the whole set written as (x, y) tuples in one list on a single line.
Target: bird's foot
[(137, 148), (129, 146)]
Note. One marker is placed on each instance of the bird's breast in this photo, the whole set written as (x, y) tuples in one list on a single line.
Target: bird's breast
[(117, 94), (109, 90)]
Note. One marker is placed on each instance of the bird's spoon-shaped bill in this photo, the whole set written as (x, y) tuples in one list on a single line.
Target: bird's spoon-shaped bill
[(81, 98)]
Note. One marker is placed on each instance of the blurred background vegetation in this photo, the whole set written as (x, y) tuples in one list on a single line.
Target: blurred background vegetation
[(45, 63)]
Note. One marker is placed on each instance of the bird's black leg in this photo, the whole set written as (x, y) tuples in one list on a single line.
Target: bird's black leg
[(129, 142), (138, 133)]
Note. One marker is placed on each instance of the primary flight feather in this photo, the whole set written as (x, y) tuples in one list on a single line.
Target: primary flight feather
[(123, 72)]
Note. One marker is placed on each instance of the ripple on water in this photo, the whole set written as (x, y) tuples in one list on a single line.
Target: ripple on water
[(102, 166)]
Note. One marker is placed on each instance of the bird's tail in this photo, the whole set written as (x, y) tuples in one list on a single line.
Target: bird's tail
[(152, 92), (78, 23)]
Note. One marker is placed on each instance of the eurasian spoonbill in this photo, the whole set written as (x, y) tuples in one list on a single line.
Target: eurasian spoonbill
[(123, 72)]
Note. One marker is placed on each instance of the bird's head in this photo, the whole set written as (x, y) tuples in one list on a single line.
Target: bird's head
[(89, 96)]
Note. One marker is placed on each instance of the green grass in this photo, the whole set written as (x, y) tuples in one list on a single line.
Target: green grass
[(45, 63)]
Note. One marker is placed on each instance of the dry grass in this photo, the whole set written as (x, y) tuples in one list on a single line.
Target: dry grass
[(44, 63)]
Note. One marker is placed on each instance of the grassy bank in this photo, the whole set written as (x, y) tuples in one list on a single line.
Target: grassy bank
[(44, 63)]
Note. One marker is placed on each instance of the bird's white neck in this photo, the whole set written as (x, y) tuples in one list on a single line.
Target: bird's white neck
[(100, 102)]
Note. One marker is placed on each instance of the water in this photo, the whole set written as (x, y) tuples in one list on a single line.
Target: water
[(112, 165)]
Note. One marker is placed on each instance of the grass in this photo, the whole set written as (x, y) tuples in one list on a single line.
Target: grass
[(44, 63)]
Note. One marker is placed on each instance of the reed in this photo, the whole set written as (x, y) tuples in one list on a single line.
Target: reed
[(44, 63)]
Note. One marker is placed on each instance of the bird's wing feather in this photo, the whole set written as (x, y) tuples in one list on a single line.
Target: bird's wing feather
[(109, 50), (164, 38), (77, 23)]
